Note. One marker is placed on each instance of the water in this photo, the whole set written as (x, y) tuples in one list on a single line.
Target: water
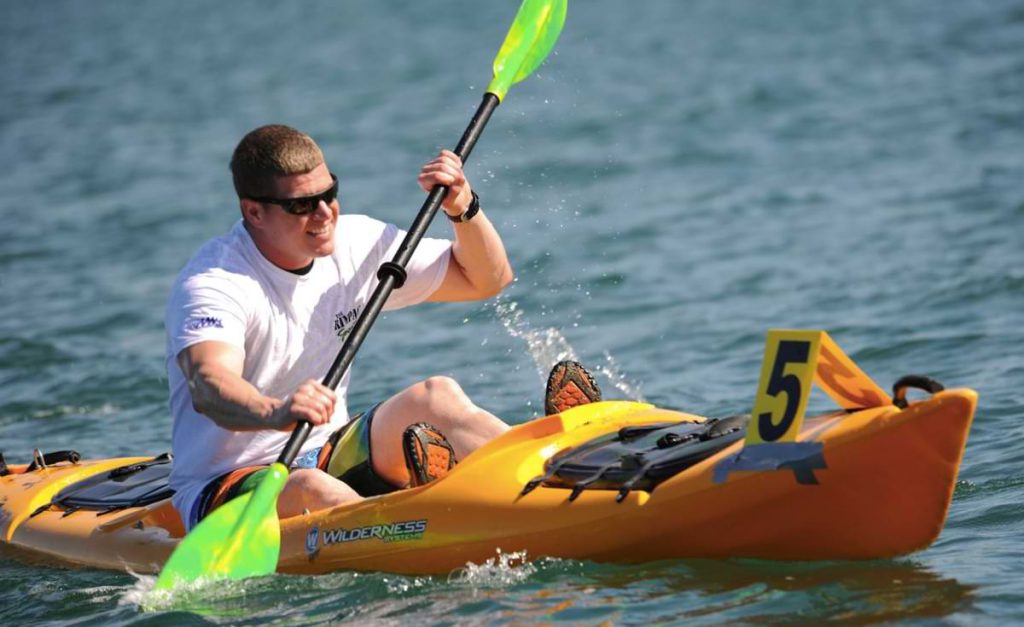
[(679, 178)]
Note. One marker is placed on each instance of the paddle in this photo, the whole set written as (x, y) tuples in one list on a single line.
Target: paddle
[(242, 538)]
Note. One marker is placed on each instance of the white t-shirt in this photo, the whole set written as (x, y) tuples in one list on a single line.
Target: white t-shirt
[(289, 326)]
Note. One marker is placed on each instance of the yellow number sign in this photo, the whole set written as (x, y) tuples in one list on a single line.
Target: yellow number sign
[(790, 358)]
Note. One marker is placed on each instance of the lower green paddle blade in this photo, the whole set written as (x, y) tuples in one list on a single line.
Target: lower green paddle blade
[(239, 539)]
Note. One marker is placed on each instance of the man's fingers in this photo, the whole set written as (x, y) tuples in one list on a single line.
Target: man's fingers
[(313, 414), (441, 169), (314, 403), (427, 181), (442, 174), (446, 154), (446, 162), (446, 170), (317, 390)]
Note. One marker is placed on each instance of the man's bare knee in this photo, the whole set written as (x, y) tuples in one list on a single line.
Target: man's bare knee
[(312, 489), (443, 395)]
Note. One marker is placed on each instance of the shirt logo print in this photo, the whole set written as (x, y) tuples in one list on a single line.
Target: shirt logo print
[(204, 323), (343, 322)]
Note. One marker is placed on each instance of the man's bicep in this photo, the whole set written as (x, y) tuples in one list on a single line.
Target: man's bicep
[(454, 287), (211, 354)]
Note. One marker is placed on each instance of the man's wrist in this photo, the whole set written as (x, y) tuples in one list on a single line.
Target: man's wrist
[(266, 408), (471, 210)]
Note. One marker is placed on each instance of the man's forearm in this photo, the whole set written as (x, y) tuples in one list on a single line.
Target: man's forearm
[(231, 401)]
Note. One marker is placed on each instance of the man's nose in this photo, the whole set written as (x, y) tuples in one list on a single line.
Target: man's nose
[(323, 211)]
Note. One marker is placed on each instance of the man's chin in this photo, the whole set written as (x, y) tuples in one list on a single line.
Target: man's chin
[(324, 250)]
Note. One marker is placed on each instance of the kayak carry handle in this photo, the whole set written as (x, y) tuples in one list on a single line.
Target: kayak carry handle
[(917, 381), (42, 460)]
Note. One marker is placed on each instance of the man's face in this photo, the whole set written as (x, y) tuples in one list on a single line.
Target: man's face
[(292, 241)]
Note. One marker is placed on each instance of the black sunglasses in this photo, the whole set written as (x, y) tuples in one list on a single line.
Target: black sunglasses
[(304, 205)]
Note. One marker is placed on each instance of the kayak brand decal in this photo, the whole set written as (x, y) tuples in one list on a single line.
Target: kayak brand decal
[(312, 536), (343, 322), (392, 532)]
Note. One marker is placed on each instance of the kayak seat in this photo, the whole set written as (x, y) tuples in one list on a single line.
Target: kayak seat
[(638, 458), (134, 485)]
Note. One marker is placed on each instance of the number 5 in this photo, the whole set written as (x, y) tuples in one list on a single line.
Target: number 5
[(790, 359)]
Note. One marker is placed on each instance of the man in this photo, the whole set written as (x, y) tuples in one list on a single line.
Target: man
[(257, 316)]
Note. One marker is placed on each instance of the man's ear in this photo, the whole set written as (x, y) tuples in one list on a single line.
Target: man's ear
[(252, 211)]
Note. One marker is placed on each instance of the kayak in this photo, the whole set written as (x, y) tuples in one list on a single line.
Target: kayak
[(613, 481)]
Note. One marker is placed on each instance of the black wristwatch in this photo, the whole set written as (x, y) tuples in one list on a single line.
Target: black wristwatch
[(467, 215)]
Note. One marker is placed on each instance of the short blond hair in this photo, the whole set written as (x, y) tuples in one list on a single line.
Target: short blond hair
[(268, 152)]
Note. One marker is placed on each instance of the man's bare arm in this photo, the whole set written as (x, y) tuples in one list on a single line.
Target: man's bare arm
[(213, 371), (480, 267)]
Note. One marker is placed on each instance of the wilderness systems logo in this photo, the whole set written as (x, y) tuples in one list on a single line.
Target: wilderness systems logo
[(395, 532), (311, 541), (343, 322), (204, 323)]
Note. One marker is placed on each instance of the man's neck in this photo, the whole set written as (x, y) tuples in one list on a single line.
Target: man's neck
[(303, 270), (272, 255)]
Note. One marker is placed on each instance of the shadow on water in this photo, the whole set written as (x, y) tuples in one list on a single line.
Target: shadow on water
[(737, 590), (847, 591)]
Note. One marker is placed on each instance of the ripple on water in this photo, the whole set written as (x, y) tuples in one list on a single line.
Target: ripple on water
[(21, 353)]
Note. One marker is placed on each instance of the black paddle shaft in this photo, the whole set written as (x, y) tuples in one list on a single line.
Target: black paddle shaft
[(391, 274)]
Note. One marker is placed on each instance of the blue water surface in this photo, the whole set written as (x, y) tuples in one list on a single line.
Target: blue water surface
[(676, 180)]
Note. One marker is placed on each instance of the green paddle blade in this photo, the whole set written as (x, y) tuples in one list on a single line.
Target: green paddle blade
[(239, 539), (529, 40)]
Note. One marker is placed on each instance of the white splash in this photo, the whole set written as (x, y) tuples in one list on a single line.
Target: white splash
[(547, 346), (610, 370), (199, 593), (501, 571), (402, 585), (142, 595)]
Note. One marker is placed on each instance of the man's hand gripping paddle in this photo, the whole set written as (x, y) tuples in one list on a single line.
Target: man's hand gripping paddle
[(242, 538)]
